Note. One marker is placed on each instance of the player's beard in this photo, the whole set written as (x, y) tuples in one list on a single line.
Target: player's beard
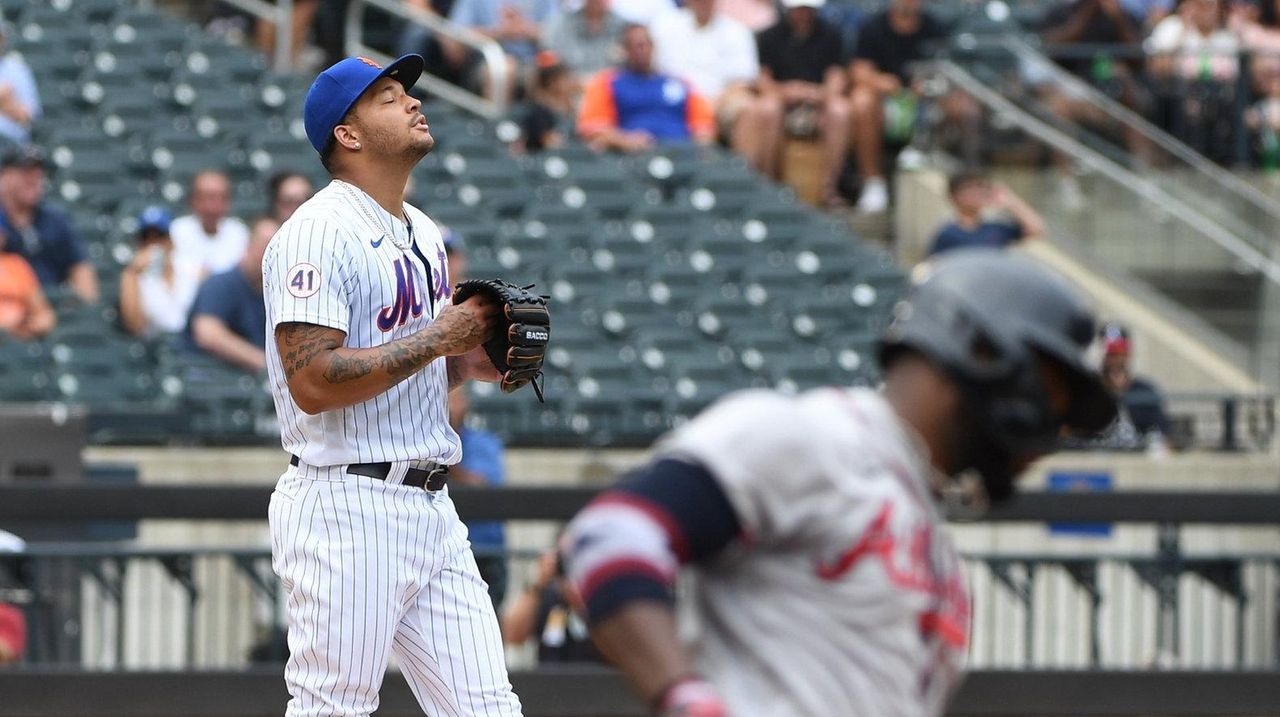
[(393, 144)]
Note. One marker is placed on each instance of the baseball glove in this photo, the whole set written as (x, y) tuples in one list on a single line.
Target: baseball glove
[(518, 348)]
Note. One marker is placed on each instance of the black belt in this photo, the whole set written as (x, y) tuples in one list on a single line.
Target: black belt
[(433, 480)]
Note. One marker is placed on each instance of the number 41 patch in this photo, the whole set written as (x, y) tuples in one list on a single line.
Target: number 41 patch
[(303, 280)]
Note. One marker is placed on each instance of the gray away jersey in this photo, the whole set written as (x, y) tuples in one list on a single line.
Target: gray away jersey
[(845, 595), (335, 263)]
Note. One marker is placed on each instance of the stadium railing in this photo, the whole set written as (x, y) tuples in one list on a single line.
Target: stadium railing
[(1226, 680)]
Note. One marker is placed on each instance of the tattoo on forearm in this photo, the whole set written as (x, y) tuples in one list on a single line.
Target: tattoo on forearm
[(300, 343), (453, 369)]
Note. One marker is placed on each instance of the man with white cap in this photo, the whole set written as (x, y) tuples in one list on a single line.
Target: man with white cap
[(801, 68)]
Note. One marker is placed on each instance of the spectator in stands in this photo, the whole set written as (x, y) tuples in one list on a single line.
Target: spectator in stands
[(889, 43), (1263, 119), (975, 198), (303, 15), (718, 56), (1141, 423), (1195, 44), (40, 233), (1194, 64), (24, 311), (802, 71), (547, 118), (482, 467), (1090, 22), (288, 191), (550, 610), (207, 235), (1099, 23), (516, 24), (228, 318), (586, 39), (159, 286), (1257, 24), (448, 59), (19, 97), (633, 107), (1141, 402)]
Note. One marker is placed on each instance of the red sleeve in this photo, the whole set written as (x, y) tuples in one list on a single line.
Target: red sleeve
[(598, 112)]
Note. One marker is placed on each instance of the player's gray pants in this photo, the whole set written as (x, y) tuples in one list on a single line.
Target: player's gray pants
[(372, 567)]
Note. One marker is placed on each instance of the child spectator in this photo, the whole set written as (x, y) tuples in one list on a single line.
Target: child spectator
[(975, 198)]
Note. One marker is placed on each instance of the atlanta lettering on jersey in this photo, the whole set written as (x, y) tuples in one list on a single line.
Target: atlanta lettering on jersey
[(910, 569)]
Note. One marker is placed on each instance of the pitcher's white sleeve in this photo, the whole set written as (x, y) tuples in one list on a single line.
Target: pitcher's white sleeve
[(765, 451), (307, 275)]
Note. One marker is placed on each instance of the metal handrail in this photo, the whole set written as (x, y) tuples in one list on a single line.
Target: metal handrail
[(281, 13), (1118, 112), (491, 107), (1143, 187)]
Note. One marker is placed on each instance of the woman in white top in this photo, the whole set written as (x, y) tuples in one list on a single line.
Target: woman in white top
[(159, 285), (1195, 44)]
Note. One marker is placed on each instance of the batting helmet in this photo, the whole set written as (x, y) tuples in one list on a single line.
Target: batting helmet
[(987, 318)]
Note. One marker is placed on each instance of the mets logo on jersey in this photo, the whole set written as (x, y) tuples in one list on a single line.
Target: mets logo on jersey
[(406, 303)]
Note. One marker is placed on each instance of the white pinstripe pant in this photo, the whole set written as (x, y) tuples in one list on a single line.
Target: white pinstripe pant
[(372, 567)]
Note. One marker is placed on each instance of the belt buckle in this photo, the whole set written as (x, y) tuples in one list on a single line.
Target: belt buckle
[(437, 475)]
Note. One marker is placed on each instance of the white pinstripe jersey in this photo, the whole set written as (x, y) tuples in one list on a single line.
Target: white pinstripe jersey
[(335, 263)]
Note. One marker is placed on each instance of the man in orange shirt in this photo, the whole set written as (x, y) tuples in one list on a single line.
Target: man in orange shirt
[(24, 311), (633, 107)]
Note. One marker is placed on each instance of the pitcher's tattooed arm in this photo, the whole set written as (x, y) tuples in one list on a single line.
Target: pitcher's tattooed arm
[(324, 375)]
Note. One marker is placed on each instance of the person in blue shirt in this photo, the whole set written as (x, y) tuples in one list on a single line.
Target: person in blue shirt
[(978, 205), (632, 107), (40, 233), (19, 97), (228, 317), (481, 466)]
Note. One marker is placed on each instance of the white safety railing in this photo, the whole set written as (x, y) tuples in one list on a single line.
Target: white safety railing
[(492, 104), (281, 14)]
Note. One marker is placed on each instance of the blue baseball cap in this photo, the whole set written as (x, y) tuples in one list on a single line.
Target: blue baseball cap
[(154, 218), (337, 89)]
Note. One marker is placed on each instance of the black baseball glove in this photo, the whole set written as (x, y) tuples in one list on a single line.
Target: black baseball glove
[(519, 346)]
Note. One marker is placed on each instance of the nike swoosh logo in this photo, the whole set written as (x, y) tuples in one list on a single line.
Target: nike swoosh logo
[(378, 243)]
